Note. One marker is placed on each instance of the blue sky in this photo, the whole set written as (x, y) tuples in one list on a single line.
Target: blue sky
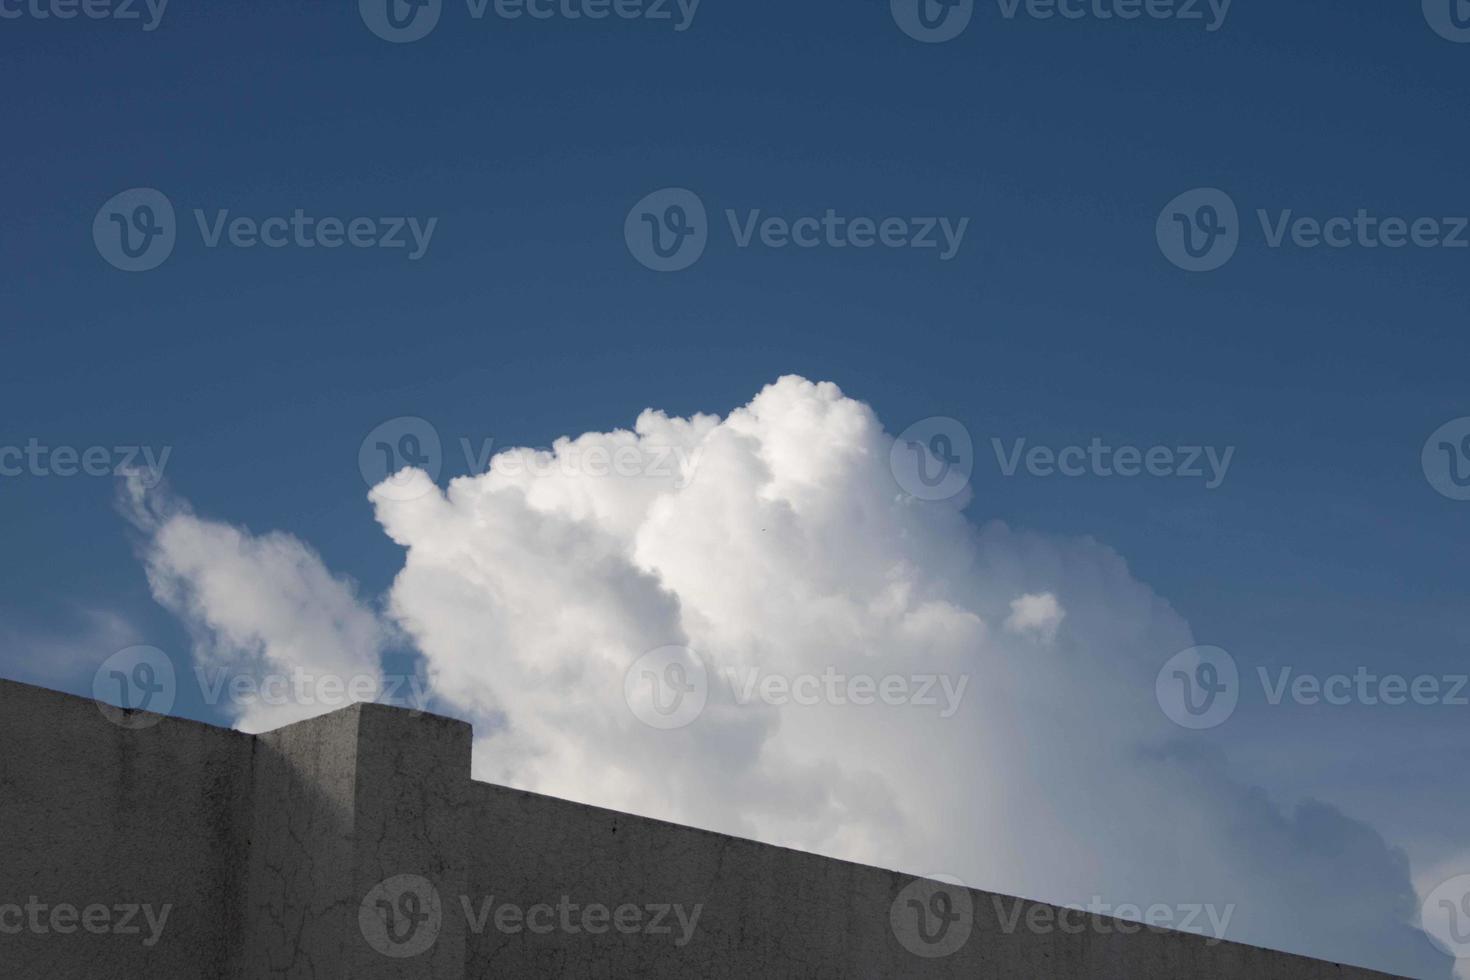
[(1059, 319)]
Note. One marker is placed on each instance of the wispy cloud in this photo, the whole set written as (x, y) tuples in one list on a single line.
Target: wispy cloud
[(255, 604)]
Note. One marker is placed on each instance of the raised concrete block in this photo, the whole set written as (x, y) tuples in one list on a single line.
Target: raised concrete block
[(358, 822)]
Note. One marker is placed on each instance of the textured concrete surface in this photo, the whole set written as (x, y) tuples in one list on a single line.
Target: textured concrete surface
[(93, 815), (772, 912), (355, 847), (343, 802)]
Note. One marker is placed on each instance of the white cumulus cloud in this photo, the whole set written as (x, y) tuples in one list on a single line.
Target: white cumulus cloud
[(886, 680), (785, 555)]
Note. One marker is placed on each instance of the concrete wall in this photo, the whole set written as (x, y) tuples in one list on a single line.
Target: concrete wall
[(355, 847), (96, 815), (769, 911)]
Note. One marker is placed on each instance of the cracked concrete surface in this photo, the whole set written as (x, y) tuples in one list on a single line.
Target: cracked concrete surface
[(354, 846)]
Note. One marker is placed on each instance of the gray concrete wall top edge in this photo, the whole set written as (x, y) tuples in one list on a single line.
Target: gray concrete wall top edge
[(486, 790), (437, 748), (35, 691), (362, 707)]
